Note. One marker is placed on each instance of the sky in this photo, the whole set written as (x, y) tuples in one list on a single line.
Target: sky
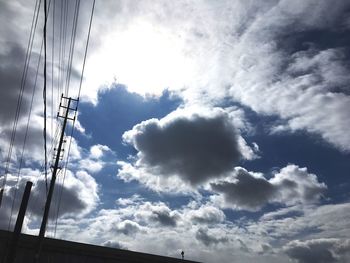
[(220, 128)]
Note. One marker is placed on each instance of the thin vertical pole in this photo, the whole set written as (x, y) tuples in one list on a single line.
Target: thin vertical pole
[(19, 222), (52, 186)]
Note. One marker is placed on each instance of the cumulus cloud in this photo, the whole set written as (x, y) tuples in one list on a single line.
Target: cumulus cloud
[(185, 149), (164, 218), (298, 184), (79, 194), (206, 214), (97, 151), (127, 228), (114, 244), (325, 250), (251, 191), (92, 161), (134, 199), (135, 215), (158, 213), (195, 147), (248, 191), (245, 238), (91, 166)]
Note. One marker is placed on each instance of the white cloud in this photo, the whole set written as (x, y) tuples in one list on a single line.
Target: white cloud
[(137, 227), (79, 127), (158, 213), (114, 244), (92, 161), (298, 185), (92, 166), (206, 214), (128, 201), (76, 151), (97, 151)]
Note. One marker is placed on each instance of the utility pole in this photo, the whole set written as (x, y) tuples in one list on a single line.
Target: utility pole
[(54, 172)]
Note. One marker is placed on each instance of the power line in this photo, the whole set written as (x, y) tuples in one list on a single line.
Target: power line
[(20, 95), (63, 77), (52, 68), (25, 138), (71, 136), (72, 45), (28, 118), (65, 26)]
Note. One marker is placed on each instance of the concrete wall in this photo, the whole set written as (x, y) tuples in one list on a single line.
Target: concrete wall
[(60, 251)]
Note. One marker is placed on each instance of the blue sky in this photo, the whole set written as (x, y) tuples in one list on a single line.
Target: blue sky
[(215, 127)]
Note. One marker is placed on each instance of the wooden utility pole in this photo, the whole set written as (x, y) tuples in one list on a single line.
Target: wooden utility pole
[(54, 173)]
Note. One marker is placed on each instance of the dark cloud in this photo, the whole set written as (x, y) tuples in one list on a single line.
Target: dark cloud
[(252, 191), (248, 191), (164, 218), (195, 148), (12, 59), (79, 196), (318, 250), (34, 144), (70, 200), (156, 214), (11, 68), (207, 239)]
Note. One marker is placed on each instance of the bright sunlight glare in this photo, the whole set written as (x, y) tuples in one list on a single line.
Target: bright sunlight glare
[(146, 59)]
